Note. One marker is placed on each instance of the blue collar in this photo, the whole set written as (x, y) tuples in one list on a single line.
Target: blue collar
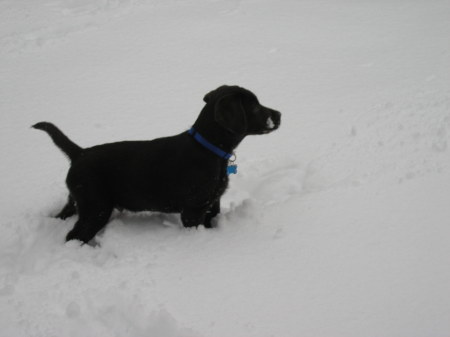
[(199, 138)]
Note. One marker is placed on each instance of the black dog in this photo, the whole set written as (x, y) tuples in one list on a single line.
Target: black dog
[(186, 173)]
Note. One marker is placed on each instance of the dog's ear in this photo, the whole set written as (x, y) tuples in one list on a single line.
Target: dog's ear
[(207, 97), (216, 93), (230, 114)]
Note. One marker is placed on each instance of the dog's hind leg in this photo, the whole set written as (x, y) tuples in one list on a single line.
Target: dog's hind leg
[(68, 210), (89, 225), (94, 212)]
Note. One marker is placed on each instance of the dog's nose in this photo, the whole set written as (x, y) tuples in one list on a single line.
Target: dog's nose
[(276, 118)]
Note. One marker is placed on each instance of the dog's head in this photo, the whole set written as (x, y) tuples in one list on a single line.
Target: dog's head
[(238, 111)]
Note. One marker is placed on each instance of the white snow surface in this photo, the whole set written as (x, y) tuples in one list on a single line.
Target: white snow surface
[(338, 223)]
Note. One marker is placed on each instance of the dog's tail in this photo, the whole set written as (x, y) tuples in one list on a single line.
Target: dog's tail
[(71, 149)]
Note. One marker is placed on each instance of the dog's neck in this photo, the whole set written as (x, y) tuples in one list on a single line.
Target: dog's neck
[(221, 139), (215, 134), (210, 146)]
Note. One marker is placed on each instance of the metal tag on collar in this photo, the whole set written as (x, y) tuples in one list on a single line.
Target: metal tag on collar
[(232, 168)]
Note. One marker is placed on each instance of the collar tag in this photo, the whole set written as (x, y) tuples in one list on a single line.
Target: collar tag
[(231, 157), (231, 169)]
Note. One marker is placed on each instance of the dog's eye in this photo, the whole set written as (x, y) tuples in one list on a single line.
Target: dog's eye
[(256, 108)]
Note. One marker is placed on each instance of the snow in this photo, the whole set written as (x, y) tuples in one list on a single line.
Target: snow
[(270, 124), (337, 224)]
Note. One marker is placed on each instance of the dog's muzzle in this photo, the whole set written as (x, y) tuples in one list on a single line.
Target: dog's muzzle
[(273, 121)]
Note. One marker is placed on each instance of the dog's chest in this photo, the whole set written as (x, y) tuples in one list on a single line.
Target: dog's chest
[(210, 190), (221, 186)]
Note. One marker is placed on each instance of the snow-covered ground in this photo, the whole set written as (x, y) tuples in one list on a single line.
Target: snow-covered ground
[(338, 224)]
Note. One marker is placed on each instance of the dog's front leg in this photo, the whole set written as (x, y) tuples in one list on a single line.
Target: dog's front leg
[(193, 217), (211, 214)]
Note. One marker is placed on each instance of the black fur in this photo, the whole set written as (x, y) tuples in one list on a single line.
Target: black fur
[(171, 174)]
